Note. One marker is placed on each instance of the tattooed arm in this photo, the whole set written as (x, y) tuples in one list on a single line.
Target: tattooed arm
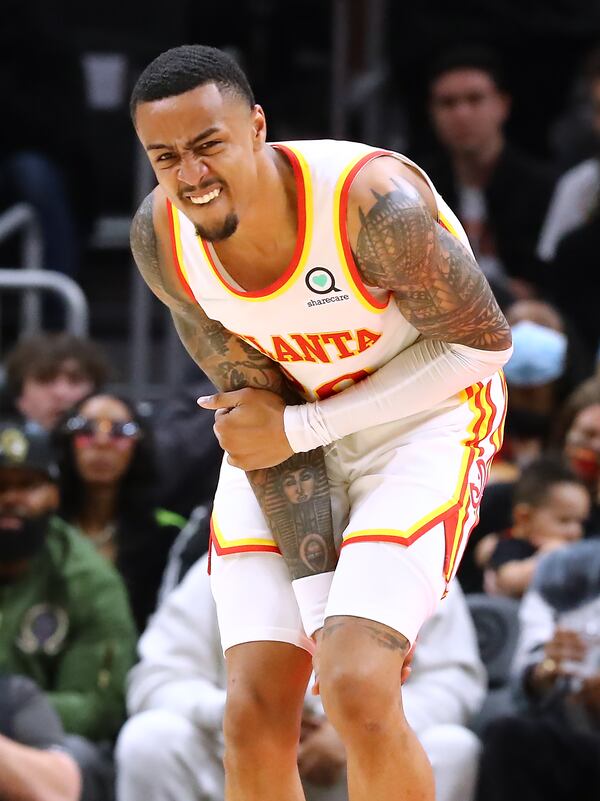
[(400, 246), (438, 287), (306, 541)]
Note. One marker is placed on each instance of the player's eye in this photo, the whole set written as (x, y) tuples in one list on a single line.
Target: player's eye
[(208, 145)]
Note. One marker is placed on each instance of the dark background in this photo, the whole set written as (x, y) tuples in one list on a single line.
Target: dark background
[(287, 49)]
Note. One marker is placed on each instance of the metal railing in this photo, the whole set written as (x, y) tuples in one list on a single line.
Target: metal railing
[(37, 281), (22, 218)]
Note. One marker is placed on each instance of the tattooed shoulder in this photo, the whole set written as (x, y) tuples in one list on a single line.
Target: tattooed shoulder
[(149, 256), (435, 281)]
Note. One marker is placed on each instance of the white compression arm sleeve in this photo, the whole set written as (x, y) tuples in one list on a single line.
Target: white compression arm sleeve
[(428, 372)]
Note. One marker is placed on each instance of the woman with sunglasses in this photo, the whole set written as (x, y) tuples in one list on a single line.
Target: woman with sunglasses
[(109, 491)]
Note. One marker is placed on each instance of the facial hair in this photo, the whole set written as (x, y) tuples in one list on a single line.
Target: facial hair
[(24, 543), (224, 231)]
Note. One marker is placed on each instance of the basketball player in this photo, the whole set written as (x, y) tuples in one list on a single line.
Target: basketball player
[(331, 296)]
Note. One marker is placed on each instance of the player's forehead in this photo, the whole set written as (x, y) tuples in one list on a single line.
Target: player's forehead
[(186, 115)]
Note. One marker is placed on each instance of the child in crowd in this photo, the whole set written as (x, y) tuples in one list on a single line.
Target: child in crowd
[(549, 508)]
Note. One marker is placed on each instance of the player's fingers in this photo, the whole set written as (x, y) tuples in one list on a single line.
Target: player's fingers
[(221, 400)]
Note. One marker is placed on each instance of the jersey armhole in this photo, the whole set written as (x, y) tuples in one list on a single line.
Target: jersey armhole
[(176, 249)]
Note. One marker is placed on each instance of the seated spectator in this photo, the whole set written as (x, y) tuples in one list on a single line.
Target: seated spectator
[(108, 487), (44, 162), (549, 508), (172, 745), (190, 454), (34, 758), (575, 436), (499, 194), (576, 197), (545, 367), (66, 622), (47, 373), (550, 751)]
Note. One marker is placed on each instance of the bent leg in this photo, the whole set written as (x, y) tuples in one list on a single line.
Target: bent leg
[(360, 667), (266, 682)]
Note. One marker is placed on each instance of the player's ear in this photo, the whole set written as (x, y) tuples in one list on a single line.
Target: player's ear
[(259, 126)]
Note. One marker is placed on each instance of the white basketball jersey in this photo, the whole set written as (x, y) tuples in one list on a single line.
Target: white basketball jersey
[(325, 327)]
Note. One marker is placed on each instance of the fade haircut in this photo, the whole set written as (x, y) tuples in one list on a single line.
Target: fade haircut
[(538, 478), (182, 69)]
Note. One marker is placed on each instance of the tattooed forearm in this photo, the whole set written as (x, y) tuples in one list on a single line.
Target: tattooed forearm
[(437, 284), (294, 497)]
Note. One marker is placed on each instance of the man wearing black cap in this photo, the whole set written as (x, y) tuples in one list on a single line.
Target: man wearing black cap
[(66, 622)]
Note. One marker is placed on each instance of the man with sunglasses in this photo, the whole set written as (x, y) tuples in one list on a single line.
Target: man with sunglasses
[(66, 622)]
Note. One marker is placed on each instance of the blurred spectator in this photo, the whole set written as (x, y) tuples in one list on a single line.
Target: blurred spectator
[(108, 484), (44, 162), (576, 197), (66, 622), (172, 746), (499, 193), (551, 750), (575, 436), (47, 373), (549, 508), (580, 441), (546, 365), (34, 758), (570, 237), (190, 454)]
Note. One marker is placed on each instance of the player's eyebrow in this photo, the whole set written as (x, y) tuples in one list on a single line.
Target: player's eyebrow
[(191, 143)]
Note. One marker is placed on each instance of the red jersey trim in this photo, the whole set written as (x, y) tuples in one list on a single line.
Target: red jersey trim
[(300, 179)]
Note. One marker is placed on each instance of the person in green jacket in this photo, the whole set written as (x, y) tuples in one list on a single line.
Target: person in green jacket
[(65, 620)]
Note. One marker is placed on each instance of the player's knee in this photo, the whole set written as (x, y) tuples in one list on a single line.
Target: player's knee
[(357, 699), (251, 716)]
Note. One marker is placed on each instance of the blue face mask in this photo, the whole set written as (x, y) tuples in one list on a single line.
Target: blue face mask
[(538, 357)]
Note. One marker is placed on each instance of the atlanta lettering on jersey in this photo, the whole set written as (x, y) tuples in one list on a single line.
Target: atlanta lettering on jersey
[(321, 348)]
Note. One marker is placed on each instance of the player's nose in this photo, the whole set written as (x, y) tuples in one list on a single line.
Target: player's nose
[(192, 170)]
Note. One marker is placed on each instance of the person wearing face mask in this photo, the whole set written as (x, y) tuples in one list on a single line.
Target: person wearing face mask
[(66, 622)]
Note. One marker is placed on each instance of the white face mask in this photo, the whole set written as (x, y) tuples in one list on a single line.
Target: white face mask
[(539, 355)]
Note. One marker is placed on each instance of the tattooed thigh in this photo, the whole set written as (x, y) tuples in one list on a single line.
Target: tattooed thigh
[(355, 630)]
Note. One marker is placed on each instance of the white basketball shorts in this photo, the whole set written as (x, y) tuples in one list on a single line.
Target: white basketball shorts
[(405, 497)]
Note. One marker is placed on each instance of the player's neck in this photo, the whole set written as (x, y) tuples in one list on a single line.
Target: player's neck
[(474, 167), (267, 232)]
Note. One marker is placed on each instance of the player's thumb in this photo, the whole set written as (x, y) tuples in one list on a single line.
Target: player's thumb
[(220, 400)]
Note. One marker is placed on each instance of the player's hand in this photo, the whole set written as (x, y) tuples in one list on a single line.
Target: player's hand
[(249, 427)]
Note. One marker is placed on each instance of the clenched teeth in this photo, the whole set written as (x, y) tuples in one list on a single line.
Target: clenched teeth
[(206, 198)]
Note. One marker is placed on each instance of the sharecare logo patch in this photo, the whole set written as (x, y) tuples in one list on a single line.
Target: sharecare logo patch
[(321, 281)]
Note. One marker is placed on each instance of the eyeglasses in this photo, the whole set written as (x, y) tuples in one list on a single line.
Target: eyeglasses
[(85, 427)]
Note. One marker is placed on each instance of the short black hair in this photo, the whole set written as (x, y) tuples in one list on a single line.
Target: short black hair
[(183, 68), (538, 478), (472, 56)]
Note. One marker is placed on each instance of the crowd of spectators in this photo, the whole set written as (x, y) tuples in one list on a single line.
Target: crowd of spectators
[(112, 676)]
